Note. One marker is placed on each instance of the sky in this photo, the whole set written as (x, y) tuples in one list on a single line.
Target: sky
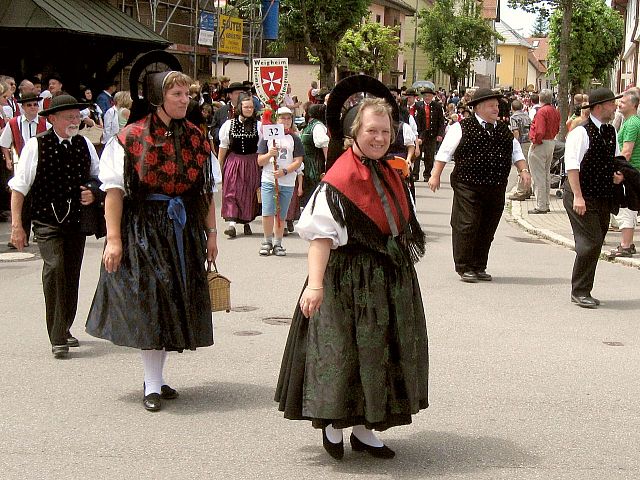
[(517, 19)]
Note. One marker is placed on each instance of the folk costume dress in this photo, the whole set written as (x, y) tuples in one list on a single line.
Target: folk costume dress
[(158, 298), (362, 359), (240, 172)]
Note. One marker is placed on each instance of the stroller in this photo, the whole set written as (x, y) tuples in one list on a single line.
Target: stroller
[(558, 173)]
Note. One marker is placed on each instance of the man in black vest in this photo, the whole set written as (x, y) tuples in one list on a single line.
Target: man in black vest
[(56, 188), (484, 150), (225, 112), (433, 131), (588, 195)]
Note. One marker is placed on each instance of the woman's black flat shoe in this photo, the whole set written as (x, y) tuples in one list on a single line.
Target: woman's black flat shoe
[(378, 452), (336, 450), (152, 402), (168, 393)]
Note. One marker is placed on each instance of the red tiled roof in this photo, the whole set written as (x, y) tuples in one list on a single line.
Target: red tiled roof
[(542, 50), (536, 63), (490, 9)]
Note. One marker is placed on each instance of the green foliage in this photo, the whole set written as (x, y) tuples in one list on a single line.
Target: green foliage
[(540, 26), (454, 35), (369, 48), (597, 35)]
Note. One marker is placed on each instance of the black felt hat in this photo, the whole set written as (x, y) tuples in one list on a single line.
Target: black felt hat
[(61, 103), (482, 94), (234, 86), (411, 91), (600, 95), (29, 97)]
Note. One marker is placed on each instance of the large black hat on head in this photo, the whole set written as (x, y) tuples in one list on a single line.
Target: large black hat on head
[(601, 95), (339, 120), (483, 94), (61, 103), (148, 73)]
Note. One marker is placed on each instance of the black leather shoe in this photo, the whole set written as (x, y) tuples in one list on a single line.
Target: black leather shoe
[(336, 450), (168, 393), (469, 277), (536, 211), (230, 231), (585, 302), (60, 351), (72, 341), (483, 276), (152, 402), (378, 452), (247, 229)]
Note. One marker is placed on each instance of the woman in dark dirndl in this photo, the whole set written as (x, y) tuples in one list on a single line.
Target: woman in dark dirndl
[(153, 292), (357, 353)]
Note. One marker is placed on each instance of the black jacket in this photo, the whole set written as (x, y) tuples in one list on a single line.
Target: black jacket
[(626, 194)]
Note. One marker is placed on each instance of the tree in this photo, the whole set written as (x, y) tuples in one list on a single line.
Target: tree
[(369, 48), (454, 35), (565, 7), (541, 26), (319, 26), (597, 35)]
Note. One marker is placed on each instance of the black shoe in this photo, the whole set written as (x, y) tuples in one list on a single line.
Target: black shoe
[(152, 402), (11, 246), (378, 452), (336, 450), (247, 229), (483, 276), (230, 231), (72, 341), (469, 277), (536, 211), (290, 225), (168, 393), (60, 351), (585, 302)]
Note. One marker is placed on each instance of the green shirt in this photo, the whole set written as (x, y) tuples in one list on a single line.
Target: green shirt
[(630, 132)]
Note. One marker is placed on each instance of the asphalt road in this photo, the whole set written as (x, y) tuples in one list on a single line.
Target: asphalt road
[(523, 384)]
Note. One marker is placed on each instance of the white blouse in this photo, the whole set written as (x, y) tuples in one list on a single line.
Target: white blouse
[(320, 223)]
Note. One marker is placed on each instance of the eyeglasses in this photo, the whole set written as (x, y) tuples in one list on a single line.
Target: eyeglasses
[(29, 104), (70, 117)]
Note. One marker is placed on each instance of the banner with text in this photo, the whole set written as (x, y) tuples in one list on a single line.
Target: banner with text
[(230, 37), (271, 77)]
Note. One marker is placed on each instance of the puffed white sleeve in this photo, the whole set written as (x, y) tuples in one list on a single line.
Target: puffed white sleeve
[(216, 172), (112, 166), (408, 135), (223, 134), (319, 223)]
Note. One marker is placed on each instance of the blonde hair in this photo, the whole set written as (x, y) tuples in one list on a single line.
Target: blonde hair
[(123, 99), (176, 78), (379, 106)]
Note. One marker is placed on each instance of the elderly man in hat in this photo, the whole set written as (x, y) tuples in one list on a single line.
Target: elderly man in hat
[(19, 130), (484, 151), (588, 194), (53, 169), (226, 112), (433, 132)]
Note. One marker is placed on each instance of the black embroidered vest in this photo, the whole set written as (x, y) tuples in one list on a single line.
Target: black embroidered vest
[(482, 158), (398, 147), (61, 171), (243, 137), (314, 164), (596, 168)]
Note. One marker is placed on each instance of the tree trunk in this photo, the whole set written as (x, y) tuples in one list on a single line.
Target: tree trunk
[(453, 82), (327, 68), (563, 77)]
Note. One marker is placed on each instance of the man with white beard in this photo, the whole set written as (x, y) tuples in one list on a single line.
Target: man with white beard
[(56, 186)]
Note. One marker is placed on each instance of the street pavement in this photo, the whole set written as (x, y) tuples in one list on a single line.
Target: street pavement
[(523, 384)]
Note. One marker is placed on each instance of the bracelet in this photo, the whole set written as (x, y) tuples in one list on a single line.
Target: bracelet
[(285, 171), (523, 170), (314, 288), (212, 230)]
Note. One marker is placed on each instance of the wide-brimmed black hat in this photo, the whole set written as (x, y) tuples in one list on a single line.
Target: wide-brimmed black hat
[(29, 97), (482, 94), (61, 103), (235, 86), (601, 95), (425, 90), (411, 91)]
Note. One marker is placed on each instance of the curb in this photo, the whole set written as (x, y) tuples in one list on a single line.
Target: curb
[(515, 209)]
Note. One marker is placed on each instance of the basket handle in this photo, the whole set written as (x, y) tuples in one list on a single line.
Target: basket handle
[(215, 267)]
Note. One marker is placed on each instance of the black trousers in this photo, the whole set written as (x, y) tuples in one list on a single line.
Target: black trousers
[(62, 249), (475, 216), (428, 153), (589, 231)]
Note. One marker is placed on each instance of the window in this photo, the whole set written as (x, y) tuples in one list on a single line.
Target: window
[(378, 18), (497, 80), (497, 58), (536, 43)]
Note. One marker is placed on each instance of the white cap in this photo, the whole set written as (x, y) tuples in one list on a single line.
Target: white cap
[(284, 111)]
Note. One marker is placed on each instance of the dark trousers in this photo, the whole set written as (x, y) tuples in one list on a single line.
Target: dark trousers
[(428, 153), (589, 231), (62, 249), (475, 216)]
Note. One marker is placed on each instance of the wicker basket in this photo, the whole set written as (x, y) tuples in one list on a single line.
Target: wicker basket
[(219, 290)]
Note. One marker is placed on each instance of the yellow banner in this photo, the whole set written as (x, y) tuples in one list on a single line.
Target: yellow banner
[(230, 29)]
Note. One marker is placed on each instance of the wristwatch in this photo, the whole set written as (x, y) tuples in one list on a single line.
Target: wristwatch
[(286, 172)]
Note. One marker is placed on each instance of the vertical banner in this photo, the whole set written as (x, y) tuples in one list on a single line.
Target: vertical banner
[(271, 77), (207, 28), (230, 31), (270, 19)]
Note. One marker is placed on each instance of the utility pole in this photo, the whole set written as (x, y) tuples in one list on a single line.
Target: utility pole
[(415, 44)]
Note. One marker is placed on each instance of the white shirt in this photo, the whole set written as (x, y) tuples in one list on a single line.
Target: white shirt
[(27, 128), (320, 223), (534, 110), (452, 139), (408, 134), (320, 136), (112, 167), (577, 144), (223, 133), (26, 168)]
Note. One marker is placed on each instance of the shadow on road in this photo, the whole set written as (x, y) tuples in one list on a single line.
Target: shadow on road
[(620, 304), (428, 454), (532, 280)]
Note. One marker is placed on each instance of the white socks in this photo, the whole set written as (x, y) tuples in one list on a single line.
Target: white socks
[(153, 364), (232, 224), (366, 436), (334, 435)]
